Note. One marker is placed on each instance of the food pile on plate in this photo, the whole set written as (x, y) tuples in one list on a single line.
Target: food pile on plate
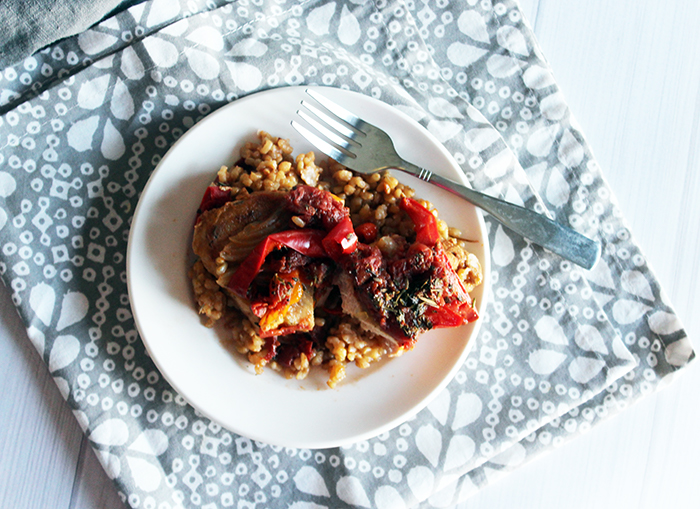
[(312, 265)]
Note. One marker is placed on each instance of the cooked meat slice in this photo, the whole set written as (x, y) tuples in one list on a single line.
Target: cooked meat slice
[(353, 307)]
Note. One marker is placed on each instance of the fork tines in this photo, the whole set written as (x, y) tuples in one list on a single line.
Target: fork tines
[(337, 110), (337, 127)]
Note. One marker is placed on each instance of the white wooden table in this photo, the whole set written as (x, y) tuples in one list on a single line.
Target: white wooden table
[(630, 70)]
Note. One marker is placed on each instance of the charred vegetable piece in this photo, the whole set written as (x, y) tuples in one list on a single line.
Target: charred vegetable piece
[(341, 240), (424, 221), (214, 197), (306, 242), (316, 208), (455, 306), (285, 291)]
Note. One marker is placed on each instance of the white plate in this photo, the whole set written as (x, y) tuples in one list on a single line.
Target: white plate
[(223, 386)]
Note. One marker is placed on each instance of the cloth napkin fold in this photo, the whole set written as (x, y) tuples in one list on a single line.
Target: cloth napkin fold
[(29, 25), (84, 123)]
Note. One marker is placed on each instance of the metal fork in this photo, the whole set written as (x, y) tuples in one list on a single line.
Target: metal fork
[(365, 148)]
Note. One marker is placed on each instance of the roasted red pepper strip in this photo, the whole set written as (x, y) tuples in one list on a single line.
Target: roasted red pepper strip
[(213, 198), (451, 316), (341, 240), (444, 317), (423, 220), (306, 242)]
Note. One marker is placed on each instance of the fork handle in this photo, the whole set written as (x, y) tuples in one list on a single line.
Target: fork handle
[(541, 230)]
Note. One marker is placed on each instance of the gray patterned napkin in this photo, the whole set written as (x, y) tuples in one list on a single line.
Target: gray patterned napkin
[(29, 25), (84, 123)]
